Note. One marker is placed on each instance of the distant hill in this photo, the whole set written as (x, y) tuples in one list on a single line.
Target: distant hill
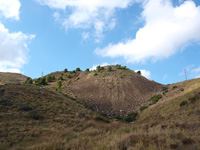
[(116, 92), (6, 77)]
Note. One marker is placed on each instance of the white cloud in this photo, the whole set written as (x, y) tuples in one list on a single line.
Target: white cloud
[(196, 72), (6, 69), (13, 49), (85, 35), (94, 67), (97, 14), (10, 8), (167, 30), (145, 73)]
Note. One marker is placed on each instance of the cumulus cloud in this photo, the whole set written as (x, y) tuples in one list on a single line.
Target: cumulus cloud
[(10, 8), (13, 46), (94, 67), (145, 73), (13, 49), (88, 13), (167, 30)]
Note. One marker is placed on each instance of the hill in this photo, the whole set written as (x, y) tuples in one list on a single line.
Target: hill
[(38, 119), (11, 78), (119, 91)]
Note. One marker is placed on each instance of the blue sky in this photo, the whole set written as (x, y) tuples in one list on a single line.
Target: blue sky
[(159, 37)]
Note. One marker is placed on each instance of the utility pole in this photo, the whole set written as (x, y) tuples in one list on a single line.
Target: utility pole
[(185, 74), (42, 74)]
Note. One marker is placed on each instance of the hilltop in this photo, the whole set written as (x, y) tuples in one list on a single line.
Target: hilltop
[(6, 77)]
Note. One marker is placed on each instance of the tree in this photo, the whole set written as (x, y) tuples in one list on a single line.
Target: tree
[(87, 70), (139, 72), (65, 70), (78, 69), (29, 81)]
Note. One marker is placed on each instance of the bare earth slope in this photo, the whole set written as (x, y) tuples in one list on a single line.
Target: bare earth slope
[(116, 92), (6, 77)]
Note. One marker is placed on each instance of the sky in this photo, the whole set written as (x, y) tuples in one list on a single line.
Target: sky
[(159, 37)]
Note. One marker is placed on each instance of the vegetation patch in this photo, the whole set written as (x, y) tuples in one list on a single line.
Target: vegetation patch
[(183, 103), (98, 118), (131, 117), (71, 136), (143, 107), (121, 67), (35, 115), (155, 98)]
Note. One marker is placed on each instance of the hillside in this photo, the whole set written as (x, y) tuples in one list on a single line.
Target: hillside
[(11, 78), (39, 119), (116, 92)]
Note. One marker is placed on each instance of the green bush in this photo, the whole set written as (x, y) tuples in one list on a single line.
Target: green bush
[(99, 68), (101, 119), (118, 117), (95, 74), (87, 70), (155, 98), (60, 78), (193, 99), (78, 69), (183, 103), (139, 72), (68, 76), (41, 81), (28, 81), (59, 84), (65, 70), (174, 87), (103, 114), (50, 78), (109, 69), (121, 67), (131, 117), (143, 107)]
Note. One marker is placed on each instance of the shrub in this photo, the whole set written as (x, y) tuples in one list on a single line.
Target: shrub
[(182, 89), (143, 107), (28, 81), (101, 119), (118, 117), (121, 67), (59, 84), (95, 74), (165, 90), (68, 76), (87, 70), (131, 117), (139, 72), (60, 78), (78, 69), (99, 68), (155, 98), (183, 103), (50, 78), (192, 99), (65, 70), (103, 114), (41, 81), (35, 115), (109, 69), (174, 87)]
